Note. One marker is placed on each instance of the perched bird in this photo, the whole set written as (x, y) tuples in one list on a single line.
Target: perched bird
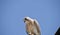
[(32, 26)]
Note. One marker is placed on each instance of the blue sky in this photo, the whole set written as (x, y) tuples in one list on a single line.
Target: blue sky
[(12, 12)]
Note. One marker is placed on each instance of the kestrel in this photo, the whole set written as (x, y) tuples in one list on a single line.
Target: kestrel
[(32, 26)]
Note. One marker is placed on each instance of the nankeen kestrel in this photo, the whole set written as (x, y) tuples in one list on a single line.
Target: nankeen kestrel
[(32, 26)]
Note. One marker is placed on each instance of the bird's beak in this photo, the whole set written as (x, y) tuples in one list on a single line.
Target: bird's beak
[(24, 21)]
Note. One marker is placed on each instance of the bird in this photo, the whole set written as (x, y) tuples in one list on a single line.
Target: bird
[(32, 26)]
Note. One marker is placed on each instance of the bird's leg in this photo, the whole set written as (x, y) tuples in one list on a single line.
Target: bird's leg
[(31, 34)]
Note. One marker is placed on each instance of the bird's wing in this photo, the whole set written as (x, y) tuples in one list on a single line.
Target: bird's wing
[(37, 26)]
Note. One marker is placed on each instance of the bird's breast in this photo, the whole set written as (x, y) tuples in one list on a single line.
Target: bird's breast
[(29, 27)]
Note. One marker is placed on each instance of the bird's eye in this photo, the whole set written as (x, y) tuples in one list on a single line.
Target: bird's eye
[(26, 19)]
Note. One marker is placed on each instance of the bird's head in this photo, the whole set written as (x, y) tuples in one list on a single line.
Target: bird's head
[(28, 20)]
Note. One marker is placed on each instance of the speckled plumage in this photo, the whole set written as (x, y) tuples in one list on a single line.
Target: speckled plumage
[(32, 26)]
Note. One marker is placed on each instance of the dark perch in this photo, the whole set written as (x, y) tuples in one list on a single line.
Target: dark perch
[(58, 31)]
